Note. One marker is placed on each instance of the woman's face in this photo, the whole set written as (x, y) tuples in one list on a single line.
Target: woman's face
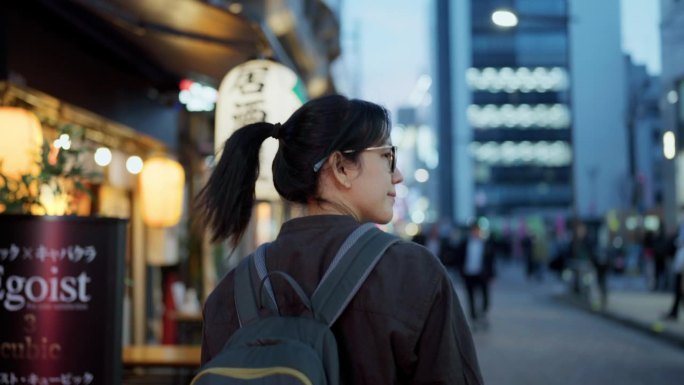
[(372, 193)]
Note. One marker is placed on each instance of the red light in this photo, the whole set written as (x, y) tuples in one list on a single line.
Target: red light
[(185, 84)]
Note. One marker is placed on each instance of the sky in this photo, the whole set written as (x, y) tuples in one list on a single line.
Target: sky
[(386, 45), (388, 49), (641, 32)]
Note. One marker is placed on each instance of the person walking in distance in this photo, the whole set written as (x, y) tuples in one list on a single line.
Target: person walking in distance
[(404, 325), (477, 270), (678, 270)]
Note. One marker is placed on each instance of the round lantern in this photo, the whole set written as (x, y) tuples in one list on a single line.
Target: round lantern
[(22, 137), (257, 91), (161, 185)]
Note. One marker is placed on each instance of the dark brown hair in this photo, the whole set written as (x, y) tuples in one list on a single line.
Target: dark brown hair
[(313, 132)]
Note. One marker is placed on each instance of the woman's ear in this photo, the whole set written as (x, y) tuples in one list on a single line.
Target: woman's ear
[(339, 167)]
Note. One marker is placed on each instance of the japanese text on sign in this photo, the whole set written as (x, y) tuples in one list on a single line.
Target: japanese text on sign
[(251, 83), (11, 378), (43, 253)]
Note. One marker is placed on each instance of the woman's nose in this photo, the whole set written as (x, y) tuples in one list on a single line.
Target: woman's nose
[(397, 176)]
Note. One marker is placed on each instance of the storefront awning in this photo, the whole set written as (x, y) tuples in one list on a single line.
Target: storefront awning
[(183, 38)]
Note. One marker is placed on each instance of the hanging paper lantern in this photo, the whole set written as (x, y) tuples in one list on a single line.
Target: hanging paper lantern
[(257, 91), (22, 137), (162, 246), (161, 185)]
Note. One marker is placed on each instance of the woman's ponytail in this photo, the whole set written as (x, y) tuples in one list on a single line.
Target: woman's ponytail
[(226, 201), (308, 137)]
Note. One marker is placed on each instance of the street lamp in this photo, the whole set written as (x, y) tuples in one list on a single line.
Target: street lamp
[(669, 146), (504, 18)]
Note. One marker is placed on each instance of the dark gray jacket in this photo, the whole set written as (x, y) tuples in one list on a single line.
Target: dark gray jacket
[(404, 326)]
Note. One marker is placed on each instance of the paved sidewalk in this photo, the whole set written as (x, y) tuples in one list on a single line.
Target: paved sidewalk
[(636, 307)]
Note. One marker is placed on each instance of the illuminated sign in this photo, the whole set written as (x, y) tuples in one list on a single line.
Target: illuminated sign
[(197, 97), (61, 289)]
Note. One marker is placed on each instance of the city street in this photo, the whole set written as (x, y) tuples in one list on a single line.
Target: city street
[(536, 339)]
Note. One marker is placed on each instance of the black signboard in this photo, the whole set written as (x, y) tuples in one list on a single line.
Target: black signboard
[(61, 289)]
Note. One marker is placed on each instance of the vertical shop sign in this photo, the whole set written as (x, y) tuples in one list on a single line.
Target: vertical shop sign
[(61, 289)]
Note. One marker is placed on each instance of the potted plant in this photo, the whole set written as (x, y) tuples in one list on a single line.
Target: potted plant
[(60, 184)]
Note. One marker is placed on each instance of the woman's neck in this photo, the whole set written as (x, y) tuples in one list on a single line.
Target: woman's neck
[(324, 207)]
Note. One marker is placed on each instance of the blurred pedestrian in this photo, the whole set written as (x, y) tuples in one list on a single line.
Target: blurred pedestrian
[(583, 248), (648, 245), (504, 247), (661, 253), (601, 259), (437, 240), (476, 257), (561, 253), (678, 270), (526, 245), (540, 254)]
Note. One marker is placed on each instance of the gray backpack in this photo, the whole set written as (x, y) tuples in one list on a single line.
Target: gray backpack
[(293, 349)]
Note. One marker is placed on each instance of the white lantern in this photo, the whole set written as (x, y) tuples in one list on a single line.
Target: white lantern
[(22, 137), (256, 91), (161, 185)]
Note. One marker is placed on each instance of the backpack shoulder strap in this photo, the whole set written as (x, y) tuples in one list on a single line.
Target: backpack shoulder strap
[(246, 301), (262, 272), (243, 292), (346, 275), (259, 265)]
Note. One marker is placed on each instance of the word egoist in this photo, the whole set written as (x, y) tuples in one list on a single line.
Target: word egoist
[(16, 291)]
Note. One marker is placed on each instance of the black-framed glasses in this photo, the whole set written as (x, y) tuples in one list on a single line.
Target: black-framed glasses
[(392, 154)]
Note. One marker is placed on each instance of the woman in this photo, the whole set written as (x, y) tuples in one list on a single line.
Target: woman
[(405, 325)]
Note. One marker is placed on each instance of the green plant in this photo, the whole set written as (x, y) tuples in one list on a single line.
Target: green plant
[(62, 179)]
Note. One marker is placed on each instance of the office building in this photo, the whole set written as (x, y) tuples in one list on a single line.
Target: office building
[(531, 113)]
